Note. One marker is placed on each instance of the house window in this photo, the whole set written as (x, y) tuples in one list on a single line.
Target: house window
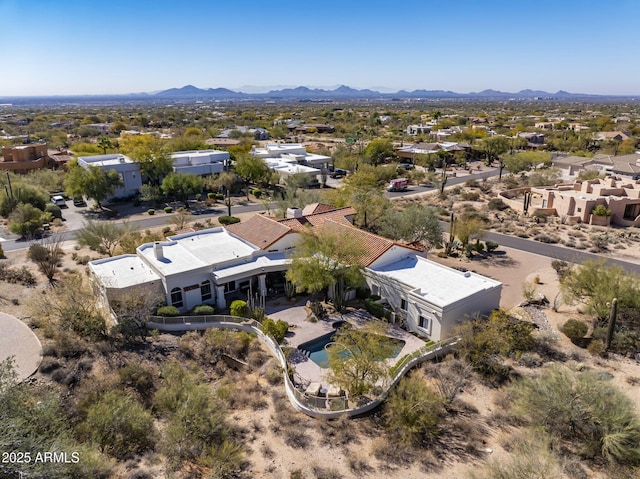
[(229, 287), (403, 304), (176, 297), (424, 323), (205, 291)]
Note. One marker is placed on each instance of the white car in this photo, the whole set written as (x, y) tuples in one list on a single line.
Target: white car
[(58, 200)]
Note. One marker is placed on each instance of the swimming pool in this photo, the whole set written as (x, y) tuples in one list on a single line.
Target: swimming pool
[(315, 349)]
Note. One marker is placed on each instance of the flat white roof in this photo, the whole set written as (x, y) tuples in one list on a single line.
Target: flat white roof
[(201, 249), (123, 271), (267, 263), (438, 284)]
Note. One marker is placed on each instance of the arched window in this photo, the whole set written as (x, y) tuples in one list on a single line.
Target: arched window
[(176, 297), (205, 290)]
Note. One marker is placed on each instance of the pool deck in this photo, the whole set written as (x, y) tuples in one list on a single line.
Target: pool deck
[(302, 331)]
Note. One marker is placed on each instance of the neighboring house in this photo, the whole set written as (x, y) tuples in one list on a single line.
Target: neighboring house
[(623, 165), (290, 158), (24, 158), (128, 170), (534, 140), (295, 127), (219, 265), (410, 152), (611, 135), (575, 202), (259, 134), (419, 129), (200, 162)]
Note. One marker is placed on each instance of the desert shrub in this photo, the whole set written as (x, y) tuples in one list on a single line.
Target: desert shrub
[(168, 311), (574, 329), (560, 267), (497, 204), (118, 424), (20, 275), (203, 309), (470, 196), (228, 220), (168, 209), (624, 340), (276, 329), (259, 314), (139, 378), (491, 245), (531, 456), (151, 211), (257, 193), (239, 308), (583, 409), (54, 210), (483, 342), (596, 347), (413, 411)]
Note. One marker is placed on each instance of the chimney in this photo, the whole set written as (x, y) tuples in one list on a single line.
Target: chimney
[(294, 213), (157, 250)]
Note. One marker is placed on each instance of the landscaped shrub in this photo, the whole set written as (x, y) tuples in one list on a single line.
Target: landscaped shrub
[(54, 210), (204, 309), (374, 308), (574, 330), (211, 196), (151, 211), (601, 210), (258, 314), (276, 329), (491, 245), (168, 209), (239, 308), (228, 220), (168, 311), (257, 193)]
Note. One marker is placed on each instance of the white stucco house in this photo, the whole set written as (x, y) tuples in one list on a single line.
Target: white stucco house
[(218, 265), (292, 153), (200, 162), (128, 170)]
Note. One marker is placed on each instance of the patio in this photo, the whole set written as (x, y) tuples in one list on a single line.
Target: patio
[(301, 331)]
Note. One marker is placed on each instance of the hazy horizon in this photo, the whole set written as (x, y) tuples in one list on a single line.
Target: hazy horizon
[(109, 48)]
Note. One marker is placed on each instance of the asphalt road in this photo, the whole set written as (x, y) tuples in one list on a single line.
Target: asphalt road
[(530, 246)]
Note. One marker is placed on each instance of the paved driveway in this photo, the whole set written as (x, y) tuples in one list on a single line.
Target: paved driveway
[(17, 340)]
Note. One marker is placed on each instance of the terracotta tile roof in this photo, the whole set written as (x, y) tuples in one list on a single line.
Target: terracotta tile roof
[(259, 231), (314, 208), (374, 246), (338, 215)]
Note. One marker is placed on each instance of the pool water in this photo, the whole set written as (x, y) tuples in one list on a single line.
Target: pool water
[(315, 349)]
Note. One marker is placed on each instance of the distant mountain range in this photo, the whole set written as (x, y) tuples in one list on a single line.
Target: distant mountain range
[(345, 92), (305, 94)]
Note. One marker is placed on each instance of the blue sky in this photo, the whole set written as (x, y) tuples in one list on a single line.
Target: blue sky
[(57, 47)]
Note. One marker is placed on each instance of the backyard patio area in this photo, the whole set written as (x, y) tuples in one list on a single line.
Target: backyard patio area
[(303, 331)]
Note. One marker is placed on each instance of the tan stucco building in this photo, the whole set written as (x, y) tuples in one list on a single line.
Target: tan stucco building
[(24, 158)]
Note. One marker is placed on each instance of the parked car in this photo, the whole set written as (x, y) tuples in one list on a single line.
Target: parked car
[(78, 200), (338, 173), (58, 201), (407, 166)]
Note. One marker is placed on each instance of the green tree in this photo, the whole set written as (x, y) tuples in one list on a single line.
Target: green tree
[(26, 220), (413, 411), (94, 182), (468, 227), (414, 224), (357, 358), (105, 144), (181, 186), (276, 329), (252, 170), (379, 150), (151, 153), (102, 236), (327, 260), (583, 409)]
